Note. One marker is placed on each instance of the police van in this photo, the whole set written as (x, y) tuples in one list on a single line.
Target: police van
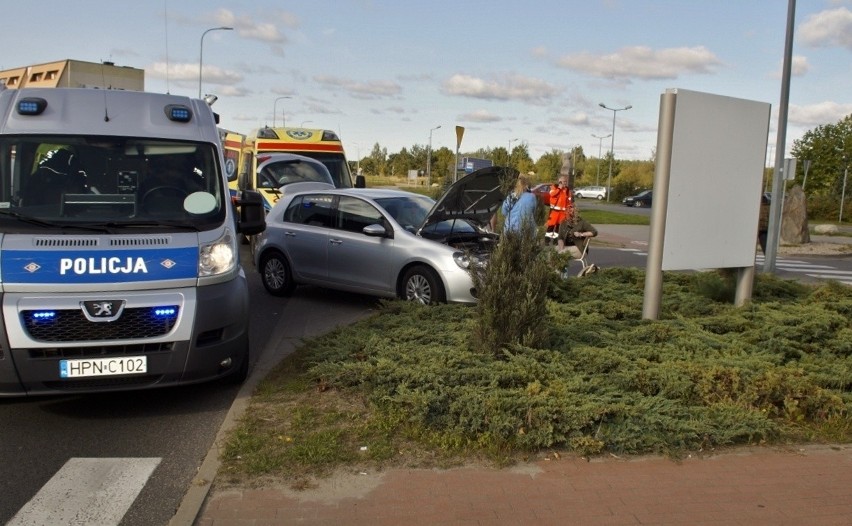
[(119, 260)]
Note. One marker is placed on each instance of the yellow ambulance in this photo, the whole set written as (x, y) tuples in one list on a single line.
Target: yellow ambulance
[(322, 145)]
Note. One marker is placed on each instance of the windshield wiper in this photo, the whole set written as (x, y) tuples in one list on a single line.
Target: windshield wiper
[(50, 224), (147, 224)]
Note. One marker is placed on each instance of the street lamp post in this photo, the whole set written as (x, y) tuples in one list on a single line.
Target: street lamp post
[(509, 151), (275, 110), (843, 192), (600, 145), (429, 158), (612, 145), (201, 52)]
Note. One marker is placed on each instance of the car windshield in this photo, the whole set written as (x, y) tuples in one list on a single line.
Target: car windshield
[(337, 167), (279, 173), (407, 211), (66, 181)]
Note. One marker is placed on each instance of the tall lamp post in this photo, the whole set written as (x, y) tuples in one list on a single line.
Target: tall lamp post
[(600, 146), (275, 110), (429, 158), (509, 151), (611, 145), (201, 52)]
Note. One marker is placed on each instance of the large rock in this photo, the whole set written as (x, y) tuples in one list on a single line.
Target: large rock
[(826, 230), (794, 220)]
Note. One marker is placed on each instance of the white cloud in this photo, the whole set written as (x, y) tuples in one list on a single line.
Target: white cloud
[(189, 72), (798, 67), (818, 114), (362, 90), (828, 29), (479, 116), (248, 28), (510, 87), (643, 62)]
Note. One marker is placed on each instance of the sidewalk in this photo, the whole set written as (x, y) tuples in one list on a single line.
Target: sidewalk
[(750, 487)]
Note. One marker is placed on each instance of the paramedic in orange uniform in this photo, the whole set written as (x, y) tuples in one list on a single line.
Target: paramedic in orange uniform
[(561, 200)]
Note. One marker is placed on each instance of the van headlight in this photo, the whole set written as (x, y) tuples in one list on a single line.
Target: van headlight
[(218, 257)]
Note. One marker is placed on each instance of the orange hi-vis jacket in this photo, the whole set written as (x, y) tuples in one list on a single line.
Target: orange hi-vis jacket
[(561, 201)]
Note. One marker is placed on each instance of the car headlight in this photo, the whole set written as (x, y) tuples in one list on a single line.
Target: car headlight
[(217, 257), (462, 259)]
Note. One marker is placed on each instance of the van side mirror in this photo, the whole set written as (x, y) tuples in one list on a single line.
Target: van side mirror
[(360, 181), (252, 217)]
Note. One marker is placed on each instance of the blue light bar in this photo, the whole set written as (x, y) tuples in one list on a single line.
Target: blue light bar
[(44, 314), (178, 113), (165, 312), (31, 106)]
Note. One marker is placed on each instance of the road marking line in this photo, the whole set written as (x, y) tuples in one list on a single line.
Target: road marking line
[(91, 491), (821, 271)]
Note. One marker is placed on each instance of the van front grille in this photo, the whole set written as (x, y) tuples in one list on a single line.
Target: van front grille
[(72, 325)]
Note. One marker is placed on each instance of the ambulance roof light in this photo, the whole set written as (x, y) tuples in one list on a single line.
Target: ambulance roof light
[(178, 113), (267, 133), (31, 106)]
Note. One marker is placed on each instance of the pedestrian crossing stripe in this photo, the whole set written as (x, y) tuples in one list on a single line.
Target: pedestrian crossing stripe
[(813, 270), (90, 491)]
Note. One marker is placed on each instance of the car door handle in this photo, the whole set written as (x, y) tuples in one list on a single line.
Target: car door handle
[(334, 241), (290, 233)]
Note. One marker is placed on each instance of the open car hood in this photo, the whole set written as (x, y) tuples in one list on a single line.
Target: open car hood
[(476, 197)]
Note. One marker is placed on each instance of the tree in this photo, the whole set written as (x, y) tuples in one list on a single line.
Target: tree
[(548, 165), (828, 147)]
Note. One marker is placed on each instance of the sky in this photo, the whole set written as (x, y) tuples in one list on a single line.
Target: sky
[(403, 72)]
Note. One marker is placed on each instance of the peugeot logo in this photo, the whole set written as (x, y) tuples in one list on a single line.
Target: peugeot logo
[(102, 310)]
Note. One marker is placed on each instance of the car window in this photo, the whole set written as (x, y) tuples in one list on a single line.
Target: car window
[(276, 174), (354, 214), (311, 209)]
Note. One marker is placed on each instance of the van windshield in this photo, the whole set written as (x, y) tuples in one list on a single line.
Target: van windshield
[(117, 181)]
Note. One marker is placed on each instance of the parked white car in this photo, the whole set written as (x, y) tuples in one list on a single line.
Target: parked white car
[(588, 192)]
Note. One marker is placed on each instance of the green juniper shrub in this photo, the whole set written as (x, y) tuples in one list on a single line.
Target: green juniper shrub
[(512, 294)]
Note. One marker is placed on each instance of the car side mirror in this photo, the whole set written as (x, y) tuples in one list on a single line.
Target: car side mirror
[(360, 181), (377, 230)]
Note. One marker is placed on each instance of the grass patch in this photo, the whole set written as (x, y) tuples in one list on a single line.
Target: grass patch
[(410, 387), (605, 217)]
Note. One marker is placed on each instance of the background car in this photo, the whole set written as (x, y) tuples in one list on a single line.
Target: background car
[(642, 199), (383, 242), (542, 192), (588, 192)]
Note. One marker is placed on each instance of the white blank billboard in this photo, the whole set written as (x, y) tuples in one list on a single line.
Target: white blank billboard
[(718, 155)]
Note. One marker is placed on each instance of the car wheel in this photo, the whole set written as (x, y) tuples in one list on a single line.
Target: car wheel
[(422, 285), (578, 196), (637, 204), (276, 275), (600, 198)]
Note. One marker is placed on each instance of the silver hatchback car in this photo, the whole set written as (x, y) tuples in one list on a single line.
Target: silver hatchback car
[(383, 242)]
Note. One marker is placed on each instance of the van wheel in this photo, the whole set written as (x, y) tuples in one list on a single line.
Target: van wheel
[(276, 275), (422, 285)]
